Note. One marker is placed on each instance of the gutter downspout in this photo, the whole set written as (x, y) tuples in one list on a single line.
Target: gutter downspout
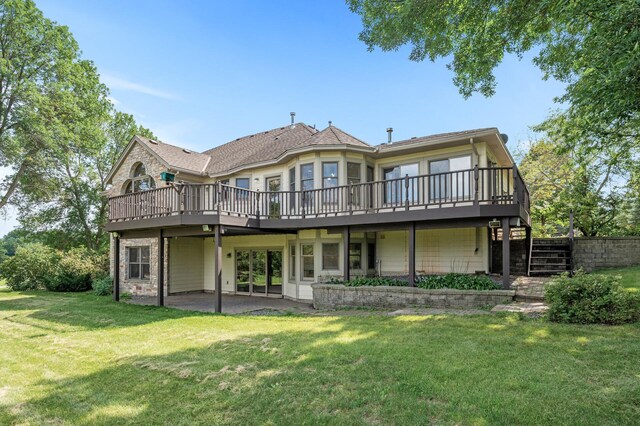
[(475, 150)]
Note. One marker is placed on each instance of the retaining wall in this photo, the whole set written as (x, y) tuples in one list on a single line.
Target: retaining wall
[(330, 296), (592, 253)]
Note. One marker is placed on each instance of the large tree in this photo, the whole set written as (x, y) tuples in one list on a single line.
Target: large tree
[(77, 206), (48, 97), (591, 45)]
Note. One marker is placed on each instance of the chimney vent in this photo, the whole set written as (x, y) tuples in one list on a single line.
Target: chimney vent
[(293, 118), (329, 123), (389, 131)]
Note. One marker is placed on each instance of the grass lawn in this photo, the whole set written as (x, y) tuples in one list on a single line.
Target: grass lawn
[(630, 276), (83, 359)]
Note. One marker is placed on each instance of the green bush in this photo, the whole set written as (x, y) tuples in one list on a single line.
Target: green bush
[(102, 286), (591, 299), (369, 281), (31, 267), (458, 282), (75, 272)]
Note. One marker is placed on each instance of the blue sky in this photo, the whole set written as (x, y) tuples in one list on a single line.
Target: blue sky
[(200, 73)]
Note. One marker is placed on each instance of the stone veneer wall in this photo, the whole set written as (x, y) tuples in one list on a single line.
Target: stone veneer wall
[(137, 155), (142, 287), (330, 296), (592, 253)]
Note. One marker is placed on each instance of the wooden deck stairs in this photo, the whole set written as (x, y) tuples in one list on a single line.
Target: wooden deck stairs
[(550, 256)]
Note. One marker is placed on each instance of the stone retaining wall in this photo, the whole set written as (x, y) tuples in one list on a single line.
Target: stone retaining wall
[(592, 253), (330, 296)]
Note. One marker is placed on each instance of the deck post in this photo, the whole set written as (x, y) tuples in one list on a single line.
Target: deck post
[(476, 173), (490, 250), (218, 268), (160, 276), (412, 254), (346, 240), (506, 255), (116, 267)]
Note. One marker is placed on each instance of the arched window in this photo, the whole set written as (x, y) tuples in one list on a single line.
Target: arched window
[(140, 180)]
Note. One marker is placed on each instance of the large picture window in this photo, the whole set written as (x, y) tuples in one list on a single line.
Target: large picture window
[(450, 179), (138, 263), (394, 189), (329, 181), (330, 256)]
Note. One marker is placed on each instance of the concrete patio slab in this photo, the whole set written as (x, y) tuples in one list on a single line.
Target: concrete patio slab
[(231, 304)]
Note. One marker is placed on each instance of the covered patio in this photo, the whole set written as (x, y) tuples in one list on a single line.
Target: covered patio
[(231, 304)]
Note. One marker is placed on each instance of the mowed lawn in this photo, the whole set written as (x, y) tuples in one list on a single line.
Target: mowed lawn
[(83, 359), (629, 277)]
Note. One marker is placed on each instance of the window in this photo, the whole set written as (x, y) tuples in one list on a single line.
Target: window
[(292, 261), (394, 190), (330, 256), (450, 179), (306, 183), (353, 178), (243, 184), (292, 188), (371, 256), (306, 257), (353, 173), (355, 256), (140, 181), (370, 192), (138, 263), (329, 175)]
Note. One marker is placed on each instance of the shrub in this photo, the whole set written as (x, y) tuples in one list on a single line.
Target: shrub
[(102, 286), (591, 299), (458, 282), (369, 281), (31, 267), (77, 269)]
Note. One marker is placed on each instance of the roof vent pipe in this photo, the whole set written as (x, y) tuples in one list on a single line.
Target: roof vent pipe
[(329, 123), (389, 131), (293, 118)]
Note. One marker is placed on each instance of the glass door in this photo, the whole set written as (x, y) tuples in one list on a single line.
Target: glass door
[(274, 272), (259, 272), (273, 187)]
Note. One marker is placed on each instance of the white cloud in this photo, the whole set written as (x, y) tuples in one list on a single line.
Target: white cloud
[(113, 101), (118, 83)]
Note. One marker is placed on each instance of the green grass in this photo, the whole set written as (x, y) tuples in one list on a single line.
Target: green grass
[(630, 276), (83, 359)]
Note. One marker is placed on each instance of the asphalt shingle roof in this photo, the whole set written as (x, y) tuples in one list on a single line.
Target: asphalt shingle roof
[(273, 144)]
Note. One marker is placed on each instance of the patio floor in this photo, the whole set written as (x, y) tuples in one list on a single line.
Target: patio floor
[(231, 304)]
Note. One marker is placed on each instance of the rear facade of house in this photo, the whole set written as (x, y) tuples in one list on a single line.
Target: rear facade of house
[(272, 213)]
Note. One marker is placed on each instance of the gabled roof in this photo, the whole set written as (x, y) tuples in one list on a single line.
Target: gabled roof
[(176, 157), (335, 136)]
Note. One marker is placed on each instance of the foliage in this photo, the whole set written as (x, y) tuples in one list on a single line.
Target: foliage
[(30, 267), (75, 272), (561, 181), (593, 46), (369, 281), (458, 282), (102, 286), (591, 299), (38, 266)]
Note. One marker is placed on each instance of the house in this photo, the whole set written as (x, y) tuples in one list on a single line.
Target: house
[(271, 213)]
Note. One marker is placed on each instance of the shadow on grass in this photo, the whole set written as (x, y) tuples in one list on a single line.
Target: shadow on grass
[(82, 311)]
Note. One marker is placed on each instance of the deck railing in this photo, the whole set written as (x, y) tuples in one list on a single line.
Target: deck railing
[(502, 185)]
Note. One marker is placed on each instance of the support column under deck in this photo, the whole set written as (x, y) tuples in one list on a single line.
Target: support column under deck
[(160, 286), (346, 241), (506, 254), (116, 268), (218, 268), (412, 254)]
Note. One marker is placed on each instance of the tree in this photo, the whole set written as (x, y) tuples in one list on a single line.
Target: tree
[(560, 182), (46, 95), (591, 45), (77, 207)]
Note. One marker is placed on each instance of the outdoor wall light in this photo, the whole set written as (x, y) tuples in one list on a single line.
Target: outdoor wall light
[(229, 255)]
